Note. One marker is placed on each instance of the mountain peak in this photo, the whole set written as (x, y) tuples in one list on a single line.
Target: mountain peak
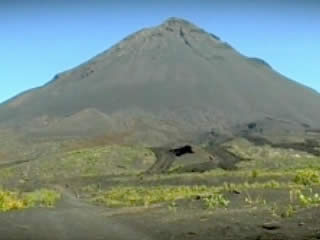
[(177, 21), (174, 23)]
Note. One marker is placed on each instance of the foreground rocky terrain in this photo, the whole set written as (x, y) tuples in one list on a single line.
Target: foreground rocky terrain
[(109, 192)]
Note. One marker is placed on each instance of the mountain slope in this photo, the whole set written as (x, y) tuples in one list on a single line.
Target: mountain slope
[(172, 78)]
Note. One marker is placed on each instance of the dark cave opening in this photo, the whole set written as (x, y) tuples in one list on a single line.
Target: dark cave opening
[(252, 125), (187, 149)]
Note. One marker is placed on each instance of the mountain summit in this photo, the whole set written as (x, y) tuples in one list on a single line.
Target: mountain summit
[(158, 85)]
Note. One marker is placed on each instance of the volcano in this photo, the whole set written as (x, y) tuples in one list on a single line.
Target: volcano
[(159, 85)]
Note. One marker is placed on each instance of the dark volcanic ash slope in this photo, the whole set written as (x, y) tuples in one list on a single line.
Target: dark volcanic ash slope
[(172, 80)]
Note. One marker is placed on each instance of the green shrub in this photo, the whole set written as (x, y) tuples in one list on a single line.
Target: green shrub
[(304, 199), (309, 200), (254, 173), (10, 201), (16, 201), (216, 201), (307, 177), (289, 212)]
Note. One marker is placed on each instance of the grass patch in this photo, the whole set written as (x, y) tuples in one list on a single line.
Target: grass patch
[(254, 201), (307, 177), (299, 199), (268, 157), (125, 196), (108, 160), (305, 199), (96, 161), (42, 198), (145, 196), (272, 184), (10, 200), (216, 173), (216, 201)]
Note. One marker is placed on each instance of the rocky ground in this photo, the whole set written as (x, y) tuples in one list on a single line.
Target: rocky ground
[(107, 192)]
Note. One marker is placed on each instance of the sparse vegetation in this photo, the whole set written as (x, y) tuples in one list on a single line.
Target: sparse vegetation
[(42, 198), (307, 177), (307, 199), (172, 206), (289, 211), (298, 200), (95, 161), (216, 201), (10, 200), (146, 196), (254, 201), (254, 173)]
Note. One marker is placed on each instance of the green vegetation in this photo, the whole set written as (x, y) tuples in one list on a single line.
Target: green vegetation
[(42, 198), (172, 206), (123, 183), (289, 211), (267, 157), (95, 161), (241, 175), (10, 200), (308, 199), (298, 200), (254, 201), (216, 201), (146, 196), (254, 173), (108, 160), (307, 177), (272, 184)]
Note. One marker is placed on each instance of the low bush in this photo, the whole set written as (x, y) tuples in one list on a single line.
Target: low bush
[(307, 177)]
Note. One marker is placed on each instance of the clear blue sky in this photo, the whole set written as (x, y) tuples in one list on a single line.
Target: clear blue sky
[(41, 38)]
